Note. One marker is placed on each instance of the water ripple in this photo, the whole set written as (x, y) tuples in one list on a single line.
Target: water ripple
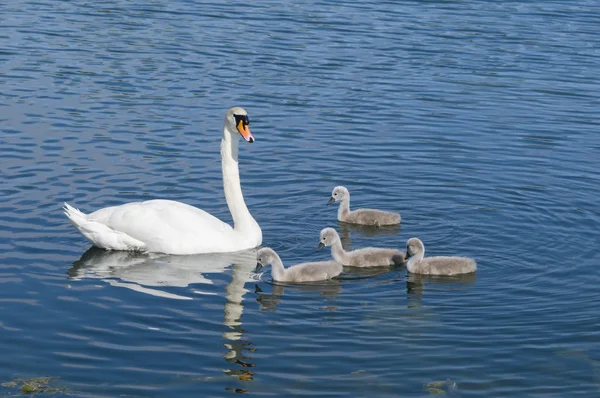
[(476, 121)]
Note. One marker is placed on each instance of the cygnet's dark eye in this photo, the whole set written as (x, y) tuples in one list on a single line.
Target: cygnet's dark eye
[(260, 259)]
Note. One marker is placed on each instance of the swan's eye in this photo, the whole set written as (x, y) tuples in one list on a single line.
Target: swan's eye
[(241, 118)]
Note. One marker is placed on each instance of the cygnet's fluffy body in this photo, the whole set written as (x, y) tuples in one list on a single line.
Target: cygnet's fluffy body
[(367, 257), (304, 272), (417, 263), (361, 216)]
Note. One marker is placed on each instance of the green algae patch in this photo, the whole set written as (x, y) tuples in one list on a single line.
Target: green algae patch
[(35, 385), (440, 387)]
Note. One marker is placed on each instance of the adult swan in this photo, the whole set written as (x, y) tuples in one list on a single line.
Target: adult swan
[(166, 226)]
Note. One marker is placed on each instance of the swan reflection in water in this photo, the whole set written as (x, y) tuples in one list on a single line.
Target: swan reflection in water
[(416, 283), (148, 272), (269, 301)]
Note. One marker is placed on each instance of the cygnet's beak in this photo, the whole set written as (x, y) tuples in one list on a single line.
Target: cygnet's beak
[(258, 267), (406, 256), (331, 200), (320, 246), (244, 130)]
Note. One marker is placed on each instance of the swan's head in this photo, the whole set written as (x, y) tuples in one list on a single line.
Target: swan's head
[(329, 236), (264, 257), (236, 120), (338, 193), (414, 247)]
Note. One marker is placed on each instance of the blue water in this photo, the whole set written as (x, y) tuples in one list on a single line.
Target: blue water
[(477, 121)]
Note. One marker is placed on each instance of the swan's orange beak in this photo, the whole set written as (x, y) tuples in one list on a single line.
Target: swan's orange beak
[(245, 131)]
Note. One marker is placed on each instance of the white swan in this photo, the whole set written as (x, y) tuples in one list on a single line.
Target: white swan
[(439, 265), (166, 226)]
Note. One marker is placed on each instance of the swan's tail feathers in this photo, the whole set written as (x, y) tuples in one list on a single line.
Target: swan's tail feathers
[(101, 235), (74, 215)]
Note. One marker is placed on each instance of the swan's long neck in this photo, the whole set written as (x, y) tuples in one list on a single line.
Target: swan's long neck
[(414, 259), (242, 219), (344, 207), (338, 252), (277, 268)]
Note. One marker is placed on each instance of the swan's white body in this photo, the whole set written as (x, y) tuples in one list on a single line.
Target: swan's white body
[(166, 226)]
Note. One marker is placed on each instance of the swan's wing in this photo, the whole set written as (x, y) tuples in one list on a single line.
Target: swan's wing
[(166, 226)]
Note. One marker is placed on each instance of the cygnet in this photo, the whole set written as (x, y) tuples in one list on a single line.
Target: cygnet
[(367, 257), (361, 216), (440, 265), (304, 272)]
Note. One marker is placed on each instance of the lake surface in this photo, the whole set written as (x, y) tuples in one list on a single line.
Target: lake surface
[(478, 121)]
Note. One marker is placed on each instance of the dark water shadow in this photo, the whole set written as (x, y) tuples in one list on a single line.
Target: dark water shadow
[(364, 230), (355, 273)]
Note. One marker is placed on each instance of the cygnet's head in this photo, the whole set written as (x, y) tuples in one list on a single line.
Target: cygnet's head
[(329, 236), (236, 119), (264, 256), (338, 193), (414, 246)]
